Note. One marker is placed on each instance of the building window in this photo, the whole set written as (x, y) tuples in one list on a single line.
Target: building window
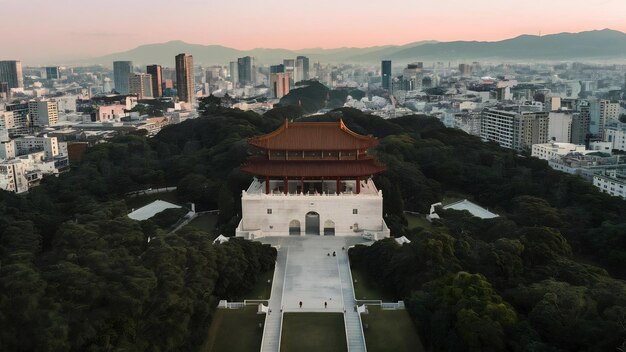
[(355, 211), (269, 211)]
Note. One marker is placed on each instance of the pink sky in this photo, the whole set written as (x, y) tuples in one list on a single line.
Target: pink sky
[(38, 30)]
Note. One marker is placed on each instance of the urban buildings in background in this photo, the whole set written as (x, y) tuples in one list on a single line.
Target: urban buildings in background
[(185, 79), (385, 72), (140, 84), (122, 71), (245, 70), (518, 106), (11, 74), (156, 74), (279, 83)]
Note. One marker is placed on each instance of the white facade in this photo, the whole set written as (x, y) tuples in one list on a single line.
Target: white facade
[(549, 151), (611, 184), (26, 145), (560, 126), (7, 149), (344, 214), (616, 135), (13, 176), (43, 112)]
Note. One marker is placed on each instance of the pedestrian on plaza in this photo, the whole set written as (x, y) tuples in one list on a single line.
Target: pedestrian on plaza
[(334, 254), (325, 304), (300, 304)]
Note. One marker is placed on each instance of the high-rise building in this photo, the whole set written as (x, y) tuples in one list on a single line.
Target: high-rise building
[(234, 73), (386, 74), (20, 120), (560, 126), (11, 72), (185, 85), (514, 130), (279, 83), (121, 74), (141, 85), (302, 68), (5, 91), (157, 79), (465, 69), (52, 72), (245, 69), (277, 69), (609, 112), (43, 112)]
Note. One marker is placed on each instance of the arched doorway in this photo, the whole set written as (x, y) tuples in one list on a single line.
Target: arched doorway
[(329, 228), (312, 223), (294, 228)]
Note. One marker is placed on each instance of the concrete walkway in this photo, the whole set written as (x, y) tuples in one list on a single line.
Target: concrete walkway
[(313, 277), (274, 319), (352, 319)]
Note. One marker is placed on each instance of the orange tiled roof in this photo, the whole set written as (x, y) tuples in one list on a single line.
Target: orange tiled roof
[(313, 136)]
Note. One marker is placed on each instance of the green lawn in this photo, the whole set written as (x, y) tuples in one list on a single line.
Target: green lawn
[(206, 222), (364, 288), (137, 202), (313, 332), (417, 221), (235, 330), (390, 330)]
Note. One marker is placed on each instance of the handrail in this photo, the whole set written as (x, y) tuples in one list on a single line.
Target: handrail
[(280, 325), (355, 300)]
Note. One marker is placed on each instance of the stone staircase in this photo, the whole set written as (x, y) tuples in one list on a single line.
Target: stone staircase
[(352, 319), (274, 318)]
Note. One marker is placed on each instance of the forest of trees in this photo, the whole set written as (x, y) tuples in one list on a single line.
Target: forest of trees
[(77, 275)]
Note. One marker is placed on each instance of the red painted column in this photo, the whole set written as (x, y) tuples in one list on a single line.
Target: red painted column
[(286, 185), (267, 185), (301, 184), (338, 185), (358, 185)]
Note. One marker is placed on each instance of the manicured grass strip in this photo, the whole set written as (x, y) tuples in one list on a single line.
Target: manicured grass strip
[(390, 330), (235, 330), (313, 332), (364, 288)]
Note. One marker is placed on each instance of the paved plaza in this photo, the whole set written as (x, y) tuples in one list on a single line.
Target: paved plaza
[(306, 271)]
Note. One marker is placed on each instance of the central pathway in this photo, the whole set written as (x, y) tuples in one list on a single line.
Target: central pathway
[(307, 272)]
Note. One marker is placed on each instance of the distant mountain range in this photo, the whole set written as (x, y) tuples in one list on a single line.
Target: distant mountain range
[(591, 45)]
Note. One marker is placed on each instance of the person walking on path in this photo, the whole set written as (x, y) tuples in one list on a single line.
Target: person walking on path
[(325, 304), (300, 304)]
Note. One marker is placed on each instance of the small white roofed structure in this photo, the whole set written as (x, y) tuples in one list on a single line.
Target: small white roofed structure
[(221, 239), (402, 240), (474, 209), (150, 210)]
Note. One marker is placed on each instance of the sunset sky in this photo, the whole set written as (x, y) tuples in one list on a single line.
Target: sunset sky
[(37, 30)]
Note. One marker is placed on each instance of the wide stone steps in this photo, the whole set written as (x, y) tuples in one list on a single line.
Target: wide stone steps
[(273, 320), (352, 319)]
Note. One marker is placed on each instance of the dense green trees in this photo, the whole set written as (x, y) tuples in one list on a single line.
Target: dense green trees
[(76, 274)]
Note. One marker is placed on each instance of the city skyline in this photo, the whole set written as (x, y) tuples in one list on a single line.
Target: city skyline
[(349, 24)]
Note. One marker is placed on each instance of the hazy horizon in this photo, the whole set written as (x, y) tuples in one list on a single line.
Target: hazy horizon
[(48, 31)]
